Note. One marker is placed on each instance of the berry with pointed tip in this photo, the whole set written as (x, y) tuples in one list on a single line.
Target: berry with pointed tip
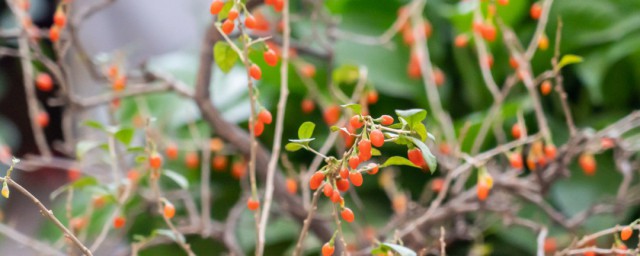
[(488, 32), (335, 196), (344, 172), (155, 161), (250, 22), (515, 160), (253, 204), (227, 26), (270, 57), (626, 233), (373, 168), (482, 190), (59, 18), (292, 186), (354, 161), (377, 138), (356, 178), (588, 164), (364, 147), (255, 72), (258, 128), (44, 82), (307, 106), (169, 210), (171, 151), (545, 87), (327, 190), (5, 190), (516, 131), (386, 120), (119, 222), (331, 115), (347, 215), (233, 14), (550, 151), (327, 249), (265, 116), (372, 97), (316, 180), (535, 11), (415, 156), (342, 184), (216, 7), (356, 122)]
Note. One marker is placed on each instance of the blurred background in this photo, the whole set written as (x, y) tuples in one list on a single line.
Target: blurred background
[(165, 36)]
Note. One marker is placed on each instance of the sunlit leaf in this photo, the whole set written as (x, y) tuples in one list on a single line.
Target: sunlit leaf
[(224, 56), (398, 160), (306, 130), (177, 178)]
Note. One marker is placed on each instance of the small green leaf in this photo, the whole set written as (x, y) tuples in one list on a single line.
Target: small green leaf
[(94, 124), (135, 149), (403, 251), (224, 56), (85, 146), (141, 159), (177, 178), (139, 238), (375, 152), (334, 128), (303, 141), (568, 59), (412, 116), (421, 130), (398, 160), (170, 234), (356, 108), (292, 147), (306, 130), (224, 13), (125, 135), (345, 74), (426, 154)]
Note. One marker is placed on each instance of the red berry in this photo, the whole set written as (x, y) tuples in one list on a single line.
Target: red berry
[(250, 22), (550, 245), (342, 184), (191, 160), (488, 32), (255, 72), (253, 204), (119, 222), (356, 178), (489, 61), (327, 190), (265, 116), (536, 11), (292, 186), (133, 175), (44, 82), (238, 170), (307, 106), (347, 215), (220, 162), (483, 191), (354, 161), (59, 18), (503, 2), (438, 77), (327, 250), (545, 87), (278, 5), (73, 174), (233, 14), (155, 161), (364, 147), (355, 122), (516, 131), (372, 97), (258, 128), (42, 119), (335, 196), (316, 180), (588, 164), (626, 233), (54, 33), (550, 151), (386, 120), (227, 26), (344, 173), (437, 184), (415, 156), (377, 138), (169, 210), (270, 57), (461, 41), (331, 115), (308, 71), (513, 62), (171, 151), (216, 7), (516, 161), (374, 168)]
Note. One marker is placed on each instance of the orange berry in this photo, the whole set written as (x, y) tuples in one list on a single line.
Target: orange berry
[(255, 72), (119, 222), (327, 249), (59, 18), (265, 116), (316, 180), (216, 7), (73, 174), (331, 115), (588, 164), (372, 97), (258, 128), (335, 196), (78, 223), (44, 82), (438, 77), (550, 245), (216, 144), (42, 119), (120, 83), (550, 151), (535, 11), (413, 68), (270, 57), (513, 62), (327, 190), (488, 32), (589, 253), (238, 169), (437, 184), (344, 172), (113, 71), (308, 70), (515, 160), (342, 184), (253, 204), (219, 163), (377, 138), (354, 161), (133, 175), (278, 5), (543, 43), (233, 14), (250, 22), (307, 106), (191, 160), (347, 215), (227, 26), (461, 41), (503, 2), (516, 131), (54, 33), (155, 161), (483, 191), (99, 201), (171, 151), (386, 120), (169, 210), (356, 178), (292, 186), (545, 87), (489, 61), (373, 168), (626, 233), (415, 156), (607, 143), (356, 122), (399, 204)]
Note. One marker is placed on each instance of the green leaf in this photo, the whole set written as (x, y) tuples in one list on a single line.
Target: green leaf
[(292, 147), (135, 149), (334, 128), (426, 154), (421, 130), (141, 159), (85, 146), (224, 56), (79, 183), (94, 124), (224, 13), (356, 108), (302, 141), (125, 135), (398, 160), (170, 234), (412, 116), (375, 152), (177, 178), (568, 59), (399, 249), (345, 74), (306, 130)]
